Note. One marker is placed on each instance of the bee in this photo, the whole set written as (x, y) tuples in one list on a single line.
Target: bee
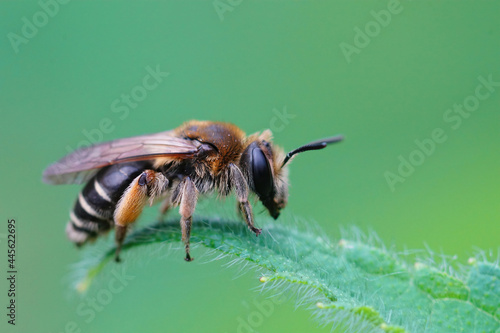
[(176, 166)]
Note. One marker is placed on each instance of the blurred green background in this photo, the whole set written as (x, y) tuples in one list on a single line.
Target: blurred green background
[(247, 62)]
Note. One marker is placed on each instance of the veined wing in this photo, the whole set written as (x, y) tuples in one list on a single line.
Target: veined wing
[(82, 164)]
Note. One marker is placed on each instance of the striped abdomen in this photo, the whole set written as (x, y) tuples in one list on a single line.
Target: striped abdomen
[(93, 211)]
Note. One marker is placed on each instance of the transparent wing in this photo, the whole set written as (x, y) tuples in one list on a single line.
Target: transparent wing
[(82, 164)]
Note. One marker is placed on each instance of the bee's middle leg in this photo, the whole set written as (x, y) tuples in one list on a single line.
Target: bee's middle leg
[(188, 196), (244, 206)]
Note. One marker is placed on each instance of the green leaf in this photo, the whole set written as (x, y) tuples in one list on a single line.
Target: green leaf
[(354, 284)]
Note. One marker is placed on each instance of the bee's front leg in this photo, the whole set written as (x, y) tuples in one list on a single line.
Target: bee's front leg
[(187, 196), (144, 187), (241, 187)]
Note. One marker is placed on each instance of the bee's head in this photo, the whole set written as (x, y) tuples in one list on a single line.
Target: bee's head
[(265, 167)]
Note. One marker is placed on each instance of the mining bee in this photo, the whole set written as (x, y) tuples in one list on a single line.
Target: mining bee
[(199, 157)]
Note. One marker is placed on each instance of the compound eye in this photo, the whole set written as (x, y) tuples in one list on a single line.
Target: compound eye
[(262, 175)]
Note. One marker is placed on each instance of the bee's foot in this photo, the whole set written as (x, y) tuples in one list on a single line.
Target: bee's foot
[(257, 231)]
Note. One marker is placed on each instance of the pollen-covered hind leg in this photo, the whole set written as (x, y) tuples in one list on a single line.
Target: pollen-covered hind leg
[(148, 185)]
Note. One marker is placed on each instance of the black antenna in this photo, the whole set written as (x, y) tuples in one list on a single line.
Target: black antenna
[(315, 145)]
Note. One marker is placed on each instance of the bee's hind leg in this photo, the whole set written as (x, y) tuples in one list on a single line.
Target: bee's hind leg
[(145, 187), (120, 233), (244, 206)]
